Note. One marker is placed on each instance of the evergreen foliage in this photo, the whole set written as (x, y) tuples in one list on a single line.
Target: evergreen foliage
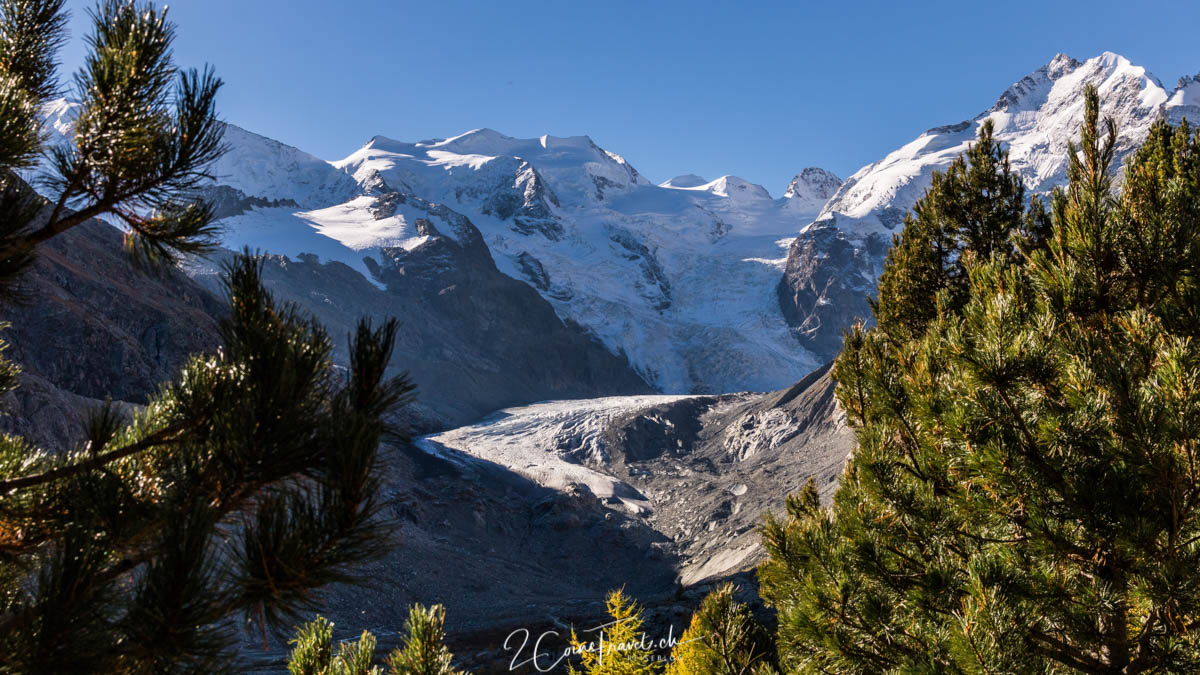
[(1024, 495), (144, 135), (314, 655), (723, 639), (618, 648), (245, 484), (313, 649), (971, 211), (422, 653)]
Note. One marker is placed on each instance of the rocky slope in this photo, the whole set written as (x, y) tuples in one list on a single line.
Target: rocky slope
[(834, 263), (91, 327)]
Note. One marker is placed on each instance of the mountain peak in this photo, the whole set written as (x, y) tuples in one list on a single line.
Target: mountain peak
[(813, 182), (1060, 65), (482, 141), (810, 189), (687, 180), (736, 188)]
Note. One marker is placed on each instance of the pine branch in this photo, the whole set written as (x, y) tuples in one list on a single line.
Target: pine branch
[(163, 436)]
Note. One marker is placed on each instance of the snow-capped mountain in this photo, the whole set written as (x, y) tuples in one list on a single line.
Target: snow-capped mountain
[(1034, 119), (835, 262), (810, 189), (702, 285), (263, 169), (676, 277)]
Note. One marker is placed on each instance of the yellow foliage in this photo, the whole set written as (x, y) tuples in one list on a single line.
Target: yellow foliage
[(690, 656), (620, 647)]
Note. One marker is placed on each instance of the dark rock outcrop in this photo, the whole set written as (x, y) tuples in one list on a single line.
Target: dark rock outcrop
[(226, 201), (826, 283)]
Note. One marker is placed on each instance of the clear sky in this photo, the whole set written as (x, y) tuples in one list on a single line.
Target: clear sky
[(755, 89)]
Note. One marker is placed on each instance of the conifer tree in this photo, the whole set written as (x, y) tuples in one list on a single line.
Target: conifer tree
[(618, 648), (1024, 496), (423, 651), (723, 639), (247, 482), (314, 655), (971, 210)]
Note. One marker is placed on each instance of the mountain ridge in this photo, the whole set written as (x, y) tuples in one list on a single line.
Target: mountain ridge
[(673, 279)]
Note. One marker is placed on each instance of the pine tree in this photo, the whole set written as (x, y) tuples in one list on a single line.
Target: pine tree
[(247, 482), (313, 649), (972, 210), (1024, 495), (618, 648), (423, 651), (723, 639), (314, 655)]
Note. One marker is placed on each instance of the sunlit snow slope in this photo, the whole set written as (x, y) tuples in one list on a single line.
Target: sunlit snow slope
[(1034, 119)]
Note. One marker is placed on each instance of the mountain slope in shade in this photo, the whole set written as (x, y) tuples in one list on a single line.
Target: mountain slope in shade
[(834, 263), (89, 326)]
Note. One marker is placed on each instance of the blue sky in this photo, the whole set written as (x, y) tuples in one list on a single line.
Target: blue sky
[(756, 89)]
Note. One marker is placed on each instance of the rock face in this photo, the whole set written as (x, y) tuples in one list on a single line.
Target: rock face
[(837, 259), (810, 189), (826, 282)]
